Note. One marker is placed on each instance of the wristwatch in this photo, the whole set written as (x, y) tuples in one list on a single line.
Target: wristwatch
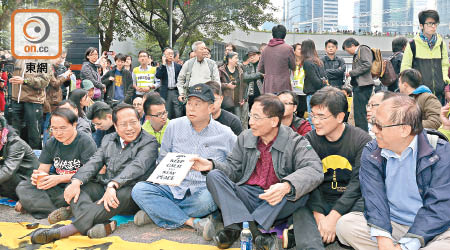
[(111, 185)]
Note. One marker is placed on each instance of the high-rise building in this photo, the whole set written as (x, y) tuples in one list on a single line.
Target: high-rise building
[(398, 16), (356, 18), (443, 7), (312, 15), (364, 15)]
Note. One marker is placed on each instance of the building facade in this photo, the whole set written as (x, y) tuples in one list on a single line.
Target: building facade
[(311, 15)]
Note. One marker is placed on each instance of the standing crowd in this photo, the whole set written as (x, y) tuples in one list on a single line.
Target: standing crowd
[(285, 137)]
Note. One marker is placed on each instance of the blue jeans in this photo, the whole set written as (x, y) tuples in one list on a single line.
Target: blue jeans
[(166, 211), (308, 99), (45, 128)]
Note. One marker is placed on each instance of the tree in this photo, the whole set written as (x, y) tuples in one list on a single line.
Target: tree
[(6, 9), (196, 19)]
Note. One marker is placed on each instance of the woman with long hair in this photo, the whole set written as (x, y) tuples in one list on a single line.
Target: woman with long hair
[(81, 98), (128, 63), (298, 80)]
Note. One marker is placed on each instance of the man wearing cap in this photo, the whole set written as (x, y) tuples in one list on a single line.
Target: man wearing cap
[(196, 133), (252, 77), (100, 114)]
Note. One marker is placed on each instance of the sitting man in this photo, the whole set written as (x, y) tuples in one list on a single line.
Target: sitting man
[(68, 151), (299, 125), (17, 160), (266, 177), (138, 104), (339, 146), (410, 83), (196, 133), (404, 183), (156, 116), (373, 104), (100, 114), (129, 155), (221, 115)]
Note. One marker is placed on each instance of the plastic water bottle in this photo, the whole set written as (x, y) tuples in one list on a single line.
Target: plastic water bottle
[(246, 237)]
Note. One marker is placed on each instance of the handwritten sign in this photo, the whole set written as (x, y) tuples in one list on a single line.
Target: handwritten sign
[(172, 169)]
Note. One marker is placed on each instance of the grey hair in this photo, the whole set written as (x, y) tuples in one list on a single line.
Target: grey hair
[(196, 44), (405, 110)]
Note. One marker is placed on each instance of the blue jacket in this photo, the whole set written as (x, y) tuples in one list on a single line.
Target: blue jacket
[(433, 181)]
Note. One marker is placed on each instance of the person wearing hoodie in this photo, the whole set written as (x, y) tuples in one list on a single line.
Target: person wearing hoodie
[(410, 83), (89, 71), (277, 61)]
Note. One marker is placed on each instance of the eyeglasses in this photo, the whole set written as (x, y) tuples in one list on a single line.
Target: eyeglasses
[(256, 117), (380, 127), (137, 104), (159, 115), (370, 106), (431, 24), (57, 130), (126, 124), (319, 117)]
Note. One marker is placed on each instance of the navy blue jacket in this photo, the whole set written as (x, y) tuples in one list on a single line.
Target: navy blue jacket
[(161, 74), (433, 181)]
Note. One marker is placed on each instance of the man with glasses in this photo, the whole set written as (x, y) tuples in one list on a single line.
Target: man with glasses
[(371, 108), (339, 146), (139, 106), (299, 125), (129, 155), (172, 207), (428, 54), (156, 116), (144, 74), (404, 183), (266, 177)]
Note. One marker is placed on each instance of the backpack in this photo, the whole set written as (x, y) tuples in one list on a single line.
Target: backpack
[(377, 69), (389, 76)]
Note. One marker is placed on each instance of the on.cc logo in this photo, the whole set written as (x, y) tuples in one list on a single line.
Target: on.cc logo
[(36, 29)]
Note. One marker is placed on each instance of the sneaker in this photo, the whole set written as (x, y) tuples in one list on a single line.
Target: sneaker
[(266, 241), (212, 226), (288, 237), (60, 214), (102, 230), (141, 218), (199, 225)]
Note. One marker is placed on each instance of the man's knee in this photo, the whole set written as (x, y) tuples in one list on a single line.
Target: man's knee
[(142, 188), (344, 226), (214, 176)]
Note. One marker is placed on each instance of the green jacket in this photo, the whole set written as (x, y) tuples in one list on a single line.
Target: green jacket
[(432, 64), (158, 135)]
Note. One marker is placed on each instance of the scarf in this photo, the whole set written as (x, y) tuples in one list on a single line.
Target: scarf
[(4, 138), (431, 42)]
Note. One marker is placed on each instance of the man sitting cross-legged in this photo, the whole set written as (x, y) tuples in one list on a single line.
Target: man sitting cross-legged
[(266, 177), (129, 155), (197, 133)]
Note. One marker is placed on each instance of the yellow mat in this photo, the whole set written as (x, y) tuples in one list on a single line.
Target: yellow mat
[(11, 232)]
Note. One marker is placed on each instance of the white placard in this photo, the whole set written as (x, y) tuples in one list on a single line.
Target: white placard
[(172, 169)]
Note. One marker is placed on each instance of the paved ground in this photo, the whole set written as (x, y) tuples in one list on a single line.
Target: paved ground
[(130, 232)]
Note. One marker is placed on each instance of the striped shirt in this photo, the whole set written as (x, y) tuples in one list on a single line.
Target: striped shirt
[(213, 142)]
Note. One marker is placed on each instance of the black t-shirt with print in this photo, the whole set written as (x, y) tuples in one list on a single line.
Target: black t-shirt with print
[(67, 159)]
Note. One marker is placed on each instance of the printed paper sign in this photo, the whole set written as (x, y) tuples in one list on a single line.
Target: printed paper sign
[(172, 169)]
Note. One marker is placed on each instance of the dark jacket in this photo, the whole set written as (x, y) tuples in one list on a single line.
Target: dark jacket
[(433, 182), (17, 158), (294, 161), (335, 70), (314, 76), (125, 166), (229, 93), (54, 91), (161, 74), (430, 106), (34, 90), (253, 78), (127, 82), (89, 72), (361, 65)]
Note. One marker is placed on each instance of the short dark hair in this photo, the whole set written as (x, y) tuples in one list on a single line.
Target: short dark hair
[(272, 106), (412, 77), (70, 102), (405, 110), (66, 114), (349, 42), (143, 51), (98, 110), (229, 56), (295, 46), (399, 43), (215, 87), (89, 51), (331, 98), (232, 46), (291, 93), (424, 14), (120, 57), (279, 31), (331, 41), (152, 100), (120, 107), (347, 90)]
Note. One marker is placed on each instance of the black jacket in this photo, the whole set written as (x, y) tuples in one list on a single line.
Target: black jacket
[(314, 76), (127, 81), (161, 74), (335, 70), (125, 166)]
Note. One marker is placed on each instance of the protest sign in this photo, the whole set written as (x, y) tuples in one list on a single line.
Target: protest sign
[(172, 169)]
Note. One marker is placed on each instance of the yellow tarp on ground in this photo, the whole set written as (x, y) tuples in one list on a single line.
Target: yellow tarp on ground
[(11, 232)]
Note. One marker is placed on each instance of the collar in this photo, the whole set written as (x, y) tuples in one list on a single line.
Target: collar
[(279, 144), (123, 143), (412, 148), (142, 69), (431, 42), (148, 125)]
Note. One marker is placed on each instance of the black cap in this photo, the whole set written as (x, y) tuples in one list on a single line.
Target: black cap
[(202, 91), (253, 50), (97, 106)]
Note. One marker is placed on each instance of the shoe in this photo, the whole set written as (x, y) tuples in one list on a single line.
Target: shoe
[(199, 225), (60, 214), (288, 237), (226, 237), (102, 230), (44, 235), (266, 242), (212, 226), (141, 218), (19, 208)]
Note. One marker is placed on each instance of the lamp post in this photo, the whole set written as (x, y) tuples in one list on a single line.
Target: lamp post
[(170, 22)]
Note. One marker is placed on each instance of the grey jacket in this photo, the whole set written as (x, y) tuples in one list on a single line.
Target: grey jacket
[(125, 166), (89, 72), (362, 62), (294, 161), (253, 78), (17, 158)]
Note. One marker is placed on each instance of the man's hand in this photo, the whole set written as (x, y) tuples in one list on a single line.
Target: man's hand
[(275, 193), (444, 116), (72, 191), (181, 98), (327, 227), (347, 74), (163, 60), (109, 199), (111, 78), (49, 181), (16, 80), (102, 170), (201, 164)]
